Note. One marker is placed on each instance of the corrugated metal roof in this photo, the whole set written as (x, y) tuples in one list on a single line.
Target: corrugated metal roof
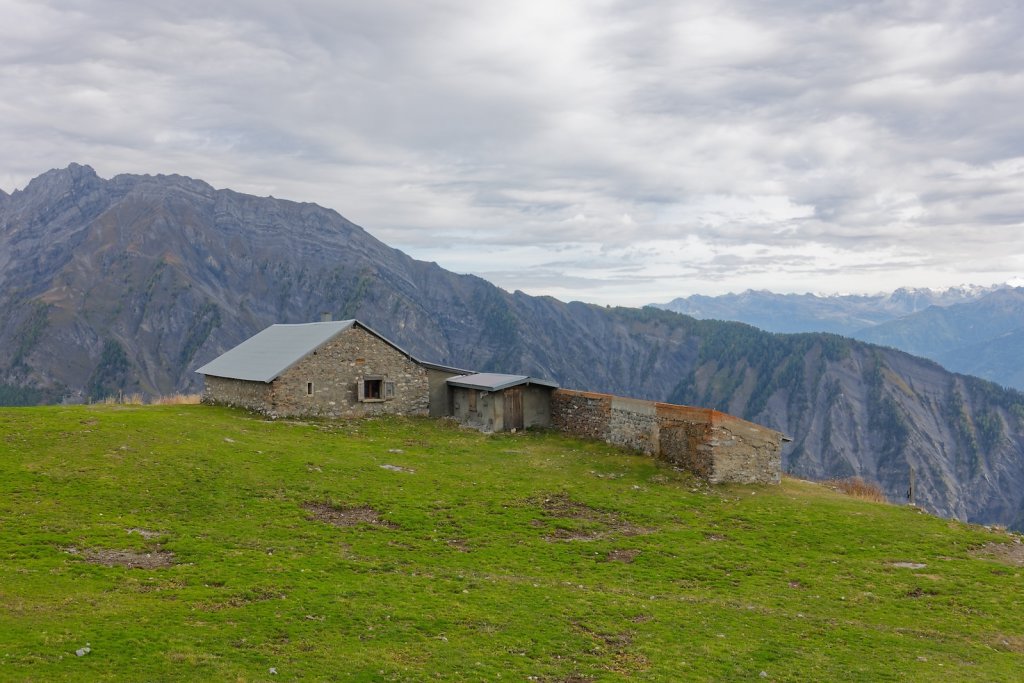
[(267, 354), (492, 381)]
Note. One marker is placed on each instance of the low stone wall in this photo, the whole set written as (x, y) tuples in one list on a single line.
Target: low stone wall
[(713, 445), (581, 413), (634, 424)]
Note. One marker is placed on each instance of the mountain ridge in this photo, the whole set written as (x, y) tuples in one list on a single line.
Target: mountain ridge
[(844, 314), (968, 329)]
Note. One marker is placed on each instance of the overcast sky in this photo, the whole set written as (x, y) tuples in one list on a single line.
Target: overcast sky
[(614, 152)]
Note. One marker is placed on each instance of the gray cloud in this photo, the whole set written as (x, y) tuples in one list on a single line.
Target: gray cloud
[(556, 146)]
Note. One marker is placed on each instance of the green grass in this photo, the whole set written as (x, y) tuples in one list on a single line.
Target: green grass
[(510, 557)]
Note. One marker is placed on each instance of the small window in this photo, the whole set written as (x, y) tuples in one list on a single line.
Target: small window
[(309, 388), (375, 389)]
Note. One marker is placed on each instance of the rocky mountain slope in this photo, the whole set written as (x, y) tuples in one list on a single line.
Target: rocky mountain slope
[(131, 283)]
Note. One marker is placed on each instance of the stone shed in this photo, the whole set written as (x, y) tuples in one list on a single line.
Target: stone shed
[(715, 446), (500, 403), (325, 369)]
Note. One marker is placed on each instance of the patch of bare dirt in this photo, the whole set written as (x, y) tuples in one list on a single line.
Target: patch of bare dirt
[(561, 505), (625, 555), (1009, 553), (617, 646), (131, 559), (145, 533), (346, 515), (576, 535), (458, 544), (597, 523), (714, 537), (242, 599), (1008, 643)]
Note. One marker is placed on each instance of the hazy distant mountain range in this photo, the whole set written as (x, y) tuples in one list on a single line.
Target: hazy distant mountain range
[(133, 282), (973, 330)]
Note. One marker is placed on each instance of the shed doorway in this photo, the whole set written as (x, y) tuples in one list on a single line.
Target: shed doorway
[(514, 408)]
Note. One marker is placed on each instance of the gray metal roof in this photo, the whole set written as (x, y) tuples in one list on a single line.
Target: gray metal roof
[(443, 368), (267, 354), (492, 381)]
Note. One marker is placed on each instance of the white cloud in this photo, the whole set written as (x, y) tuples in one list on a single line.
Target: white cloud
[(556, 146)]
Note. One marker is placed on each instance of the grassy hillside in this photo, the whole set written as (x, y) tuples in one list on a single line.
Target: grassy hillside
[(188, 542)]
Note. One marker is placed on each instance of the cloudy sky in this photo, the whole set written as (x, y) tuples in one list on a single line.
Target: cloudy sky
[(615, 152)]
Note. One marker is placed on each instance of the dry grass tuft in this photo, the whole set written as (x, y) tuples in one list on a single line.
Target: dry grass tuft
[(858, 488), (125, 400), (177, 400), (138, 399)]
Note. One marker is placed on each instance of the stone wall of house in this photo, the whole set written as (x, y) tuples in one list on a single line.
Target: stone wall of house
[(335, 370), (239, 393), (713, 445)]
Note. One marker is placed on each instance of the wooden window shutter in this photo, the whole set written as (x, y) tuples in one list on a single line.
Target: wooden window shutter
[(389, 390), (361, 390)]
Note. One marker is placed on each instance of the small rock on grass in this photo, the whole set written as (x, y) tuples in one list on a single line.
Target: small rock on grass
[(398, 468)]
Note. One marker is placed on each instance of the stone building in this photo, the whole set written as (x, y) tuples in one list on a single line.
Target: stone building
[(500, 403), (326, 369), (715, 446), (344, 369)]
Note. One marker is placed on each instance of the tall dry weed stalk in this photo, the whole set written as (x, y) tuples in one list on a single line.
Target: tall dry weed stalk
[(858, 488)]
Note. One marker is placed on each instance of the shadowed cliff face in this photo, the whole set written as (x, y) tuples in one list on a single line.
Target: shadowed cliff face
[(131, 283)]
